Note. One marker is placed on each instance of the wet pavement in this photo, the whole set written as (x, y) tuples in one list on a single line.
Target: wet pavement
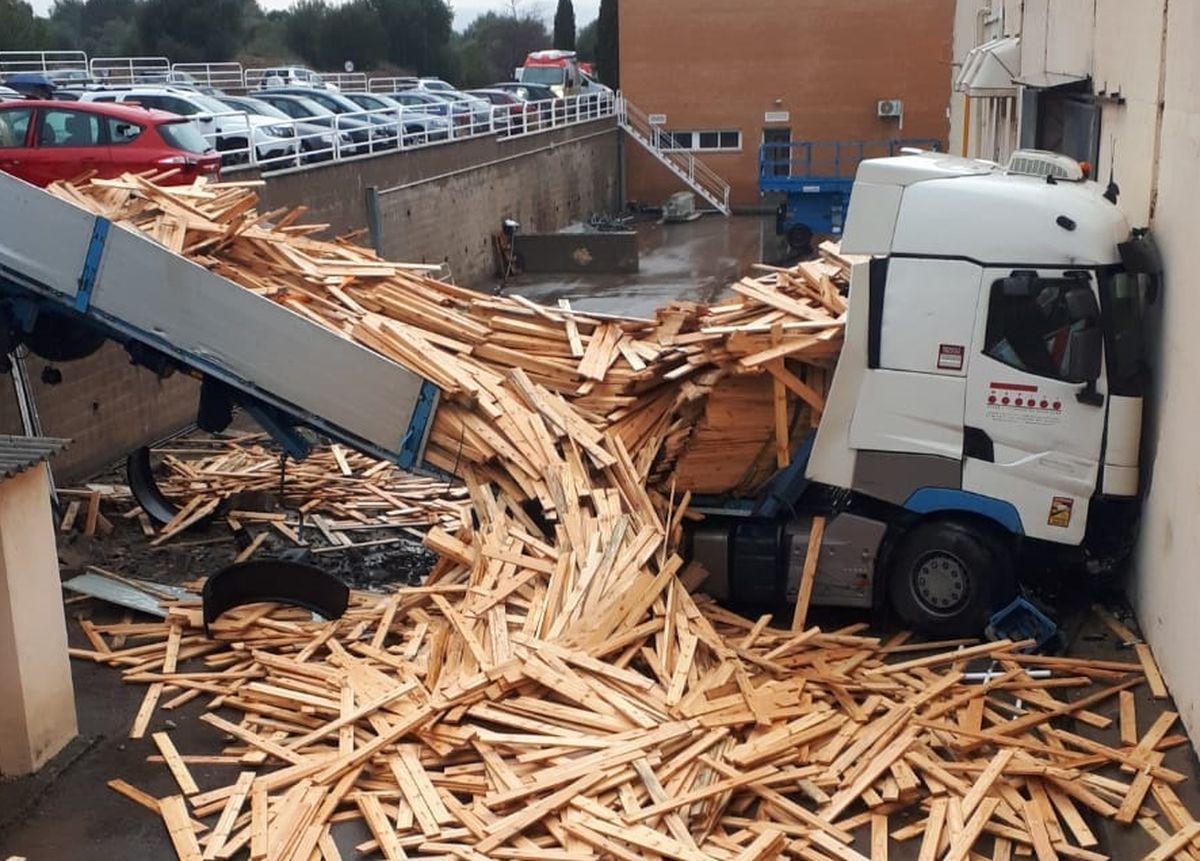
[(694, 261)]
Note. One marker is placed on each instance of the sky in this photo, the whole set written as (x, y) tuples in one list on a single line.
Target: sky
[(465, 11)]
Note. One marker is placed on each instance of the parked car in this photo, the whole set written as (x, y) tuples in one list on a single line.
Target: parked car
[(526, 92), (433, 85), (230, 133), (292, 76), (385, 132), (475, 112), (507, 110), (42, 140), (315, 139), (418, 127), (168, 78), (303, 108), (7, 93), (546, 103)]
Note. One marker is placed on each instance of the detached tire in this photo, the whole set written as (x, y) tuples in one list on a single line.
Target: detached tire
[(947, 578)]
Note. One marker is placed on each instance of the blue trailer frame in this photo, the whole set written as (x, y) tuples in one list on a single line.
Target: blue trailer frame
[(816, 177)]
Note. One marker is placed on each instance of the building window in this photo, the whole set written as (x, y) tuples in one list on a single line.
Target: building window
[(729, 140)]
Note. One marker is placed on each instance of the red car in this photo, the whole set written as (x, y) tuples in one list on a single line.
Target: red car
[(43, 141)]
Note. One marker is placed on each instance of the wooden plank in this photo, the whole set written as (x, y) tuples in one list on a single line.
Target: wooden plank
[(1153, 677), (179, 771), (179, 828), (808, 575)]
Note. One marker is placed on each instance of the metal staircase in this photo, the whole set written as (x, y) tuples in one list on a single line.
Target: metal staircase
[(698, 176)]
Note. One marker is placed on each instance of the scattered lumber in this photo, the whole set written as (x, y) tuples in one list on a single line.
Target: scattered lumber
[(338, 493), (671, 388), (553, 690)]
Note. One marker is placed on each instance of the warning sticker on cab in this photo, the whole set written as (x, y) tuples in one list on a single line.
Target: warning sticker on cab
[(1060, 511), (950, 357), (1022, 403)]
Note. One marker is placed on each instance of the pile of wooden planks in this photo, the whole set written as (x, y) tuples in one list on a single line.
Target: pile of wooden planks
[(338, 492), (481, 716), (555, 690), (646, 380)]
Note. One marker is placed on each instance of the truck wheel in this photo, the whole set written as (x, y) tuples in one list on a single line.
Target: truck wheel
[(947, 578), (56, 338), (800, 238)]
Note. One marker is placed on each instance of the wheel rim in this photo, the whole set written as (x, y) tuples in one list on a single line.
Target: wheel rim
[(941, 583)]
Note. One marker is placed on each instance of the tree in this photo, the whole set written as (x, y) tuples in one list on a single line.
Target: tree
[(417, 33), (564, 26), (302, 28), (608, 45), (20, 30), (585, 43), (101, 28), (352, 32), (493, 45), (191, 30)]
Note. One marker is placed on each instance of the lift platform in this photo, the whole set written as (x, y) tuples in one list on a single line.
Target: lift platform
[(67, 276), (816, 178)]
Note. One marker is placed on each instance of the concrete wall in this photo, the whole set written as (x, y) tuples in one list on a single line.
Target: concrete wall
[(712, 64), (544, 182)]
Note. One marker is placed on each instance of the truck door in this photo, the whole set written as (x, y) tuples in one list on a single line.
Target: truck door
[(1036, 391)]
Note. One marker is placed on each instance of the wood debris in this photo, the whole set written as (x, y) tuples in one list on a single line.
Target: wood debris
[(554, 690), (337, 493)]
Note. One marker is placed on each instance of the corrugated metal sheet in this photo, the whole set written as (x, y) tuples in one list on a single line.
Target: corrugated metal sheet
[(18, 453)]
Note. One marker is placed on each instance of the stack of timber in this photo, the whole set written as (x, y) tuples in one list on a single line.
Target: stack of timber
[(337, 491), (665, 387), (555, 690)]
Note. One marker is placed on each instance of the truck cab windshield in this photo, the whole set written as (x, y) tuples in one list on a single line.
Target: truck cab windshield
[(547, 76)]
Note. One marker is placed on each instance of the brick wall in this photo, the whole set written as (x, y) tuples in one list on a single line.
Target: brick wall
[(104, 405), (713, 64)]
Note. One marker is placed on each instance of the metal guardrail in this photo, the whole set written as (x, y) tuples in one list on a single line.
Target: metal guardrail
[(130, 70), (660, 143), (12, 62), (347, 82), (248, 143), (828, 160), (222, 76), (390, 85)]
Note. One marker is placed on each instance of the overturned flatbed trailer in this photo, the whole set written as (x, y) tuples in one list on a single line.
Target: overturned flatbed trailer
[(65, 271)]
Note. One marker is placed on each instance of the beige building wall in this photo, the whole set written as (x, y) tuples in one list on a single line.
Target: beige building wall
[(37, 700), (1138, 56), (1167, 588)]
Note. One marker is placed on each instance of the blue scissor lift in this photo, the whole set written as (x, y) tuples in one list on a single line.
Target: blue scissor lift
[(816, 177)]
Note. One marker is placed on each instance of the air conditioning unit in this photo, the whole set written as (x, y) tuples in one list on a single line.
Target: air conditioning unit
[(1043, 163), (890, 108)]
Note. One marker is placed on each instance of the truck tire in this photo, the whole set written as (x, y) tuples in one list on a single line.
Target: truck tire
[(799, 238), (947, 578), (57, 338)]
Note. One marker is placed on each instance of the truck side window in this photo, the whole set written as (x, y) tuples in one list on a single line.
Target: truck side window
[(1030, 321)]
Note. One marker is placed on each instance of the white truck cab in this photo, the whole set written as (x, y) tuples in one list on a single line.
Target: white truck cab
[(987, 401)]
